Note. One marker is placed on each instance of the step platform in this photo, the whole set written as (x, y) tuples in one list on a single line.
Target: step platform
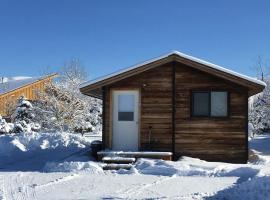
[(113, 166), (135, 154), (118, 160)]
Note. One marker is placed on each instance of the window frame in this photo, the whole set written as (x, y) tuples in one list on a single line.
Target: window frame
[(192, 115)]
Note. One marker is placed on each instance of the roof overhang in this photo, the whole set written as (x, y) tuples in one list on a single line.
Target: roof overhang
[(94, 88)]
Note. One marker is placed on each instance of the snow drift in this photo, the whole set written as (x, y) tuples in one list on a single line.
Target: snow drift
[(257, 188), (31, 151)]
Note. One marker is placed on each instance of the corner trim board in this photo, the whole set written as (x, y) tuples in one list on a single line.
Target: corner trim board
[(173, 107), (103, 117)]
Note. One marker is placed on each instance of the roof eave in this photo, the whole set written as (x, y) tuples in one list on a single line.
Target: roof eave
[(253, 85)]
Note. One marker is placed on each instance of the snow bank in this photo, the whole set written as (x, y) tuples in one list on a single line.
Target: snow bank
[(261, 144), (253, 180), (195, 167), (90, 166), (257, 188), (31, 151)]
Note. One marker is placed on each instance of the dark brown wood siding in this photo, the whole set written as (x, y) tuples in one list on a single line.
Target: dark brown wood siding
[(214, 139), (155, 88)]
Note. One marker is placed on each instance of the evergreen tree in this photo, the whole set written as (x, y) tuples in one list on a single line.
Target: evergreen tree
[(23, 117)]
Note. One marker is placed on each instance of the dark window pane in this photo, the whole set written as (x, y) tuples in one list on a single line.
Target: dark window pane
[(200, 103), (125, 116)]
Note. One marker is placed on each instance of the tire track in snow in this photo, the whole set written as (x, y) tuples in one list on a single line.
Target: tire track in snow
[(129, 193), (57, 181), (2, 196), (20, 186), (12, 189), (29, 192), (15, 187)]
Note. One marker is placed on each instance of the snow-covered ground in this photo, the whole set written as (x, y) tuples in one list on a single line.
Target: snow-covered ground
[(59, 166)]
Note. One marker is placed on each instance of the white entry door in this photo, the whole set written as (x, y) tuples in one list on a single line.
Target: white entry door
[(125, 120)]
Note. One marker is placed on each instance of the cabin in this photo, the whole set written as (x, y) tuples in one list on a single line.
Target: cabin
[(11, 88), (176, 103)]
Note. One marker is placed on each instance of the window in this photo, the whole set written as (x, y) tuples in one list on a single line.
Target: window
[(201, 103), (219, 105), (210, 104), (126, 107)]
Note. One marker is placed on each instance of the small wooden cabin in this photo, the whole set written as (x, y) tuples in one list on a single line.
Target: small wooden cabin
[(12, 88), (177, 103)]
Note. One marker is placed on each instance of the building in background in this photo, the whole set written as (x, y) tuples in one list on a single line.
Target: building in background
[(11, 88)]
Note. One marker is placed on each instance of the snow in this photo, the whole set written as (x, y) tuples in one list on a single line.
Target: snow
[(31, 151), (90, 166), (17, 78), (59, 166), (195, 167), (208, 64), (106, 186), (118, 159), (4, 126), (261, 144), (257, 188)]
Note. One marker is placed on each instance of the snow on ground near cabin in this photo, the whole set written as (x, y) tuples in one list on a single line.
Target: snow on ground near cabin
[(84, 185), (32, 151), (58, 166)]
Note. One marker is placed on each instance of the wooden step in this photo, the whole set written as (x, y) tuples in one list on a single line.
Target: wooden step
[(118, 160), (136, 154), (117, 166)]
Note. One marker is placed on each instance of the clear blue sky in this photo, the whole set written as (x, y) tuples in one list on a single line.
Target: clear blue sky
[(109, 35)]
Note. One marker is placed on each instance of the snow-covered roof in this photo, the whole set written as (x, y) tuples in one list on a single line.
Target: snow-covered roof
[(8, 84), (197, 60)]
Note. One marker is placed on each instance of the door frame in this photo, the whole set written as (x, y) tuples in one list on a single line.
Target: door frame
[(111, 114)]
